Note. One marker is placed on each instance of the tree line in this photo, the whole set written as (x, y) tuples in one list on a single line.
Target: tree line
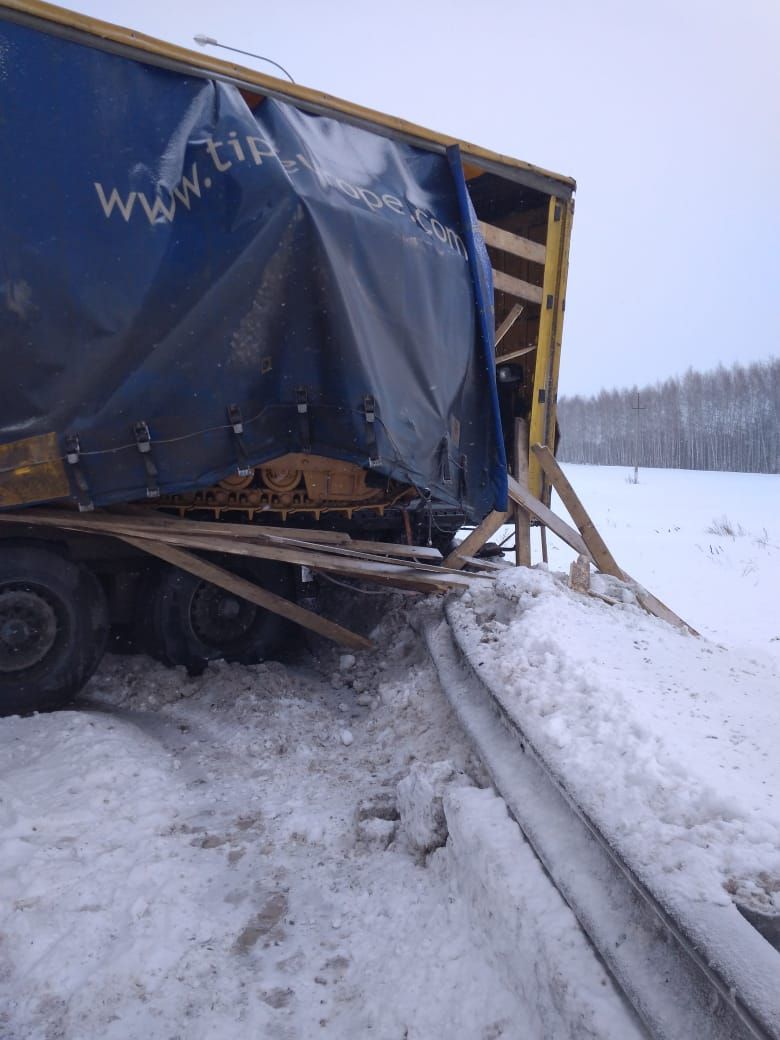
[(726, 419)]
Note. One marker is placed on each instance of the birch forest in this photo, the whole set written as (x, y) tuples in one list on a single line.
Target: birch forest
[(727, 419)]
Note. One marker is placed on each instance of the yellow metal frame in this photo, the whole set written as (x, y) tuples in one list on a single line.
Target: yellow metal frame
[(548, 353)]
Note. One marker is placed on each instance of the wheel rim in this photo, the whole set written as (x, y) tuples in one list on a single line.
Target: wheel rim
[(220, 619), (28, 628)]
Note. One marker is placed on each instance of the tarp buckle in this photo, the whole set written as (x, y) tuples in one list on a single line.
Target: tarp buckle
[(143, 440), (304, 428), (73, 458), (369, 409), (236, 421)]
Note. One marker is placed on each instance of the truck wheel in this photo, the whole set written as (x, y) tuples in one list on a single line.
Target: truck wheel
[(193, 622), (53, 628)]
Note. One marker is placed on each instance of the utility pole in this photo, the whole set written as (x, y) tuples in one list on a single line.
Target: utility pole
[(637, 408)]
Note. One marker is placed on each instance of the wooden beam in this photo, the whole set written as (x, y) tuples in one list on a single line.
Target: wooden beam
[(516, 287), (508, 242), (471, 545), (225, 529), (508, 322), (523, 497), (522, 519), (413, 552), (249, 591), (418, 577), (597, 547), (482, 565), (513, 355), (221, 527)]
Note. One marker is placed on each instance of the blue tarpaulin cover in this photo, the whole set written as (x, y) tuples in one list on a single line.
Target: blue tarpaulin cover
[(167, 252)]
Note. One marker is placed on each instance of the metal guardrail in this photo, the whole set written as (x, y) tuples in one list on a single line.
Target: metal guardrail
[(678, 988)]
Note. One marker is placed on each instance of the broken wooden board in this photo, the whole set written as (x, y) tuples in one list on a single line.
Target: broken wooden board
[(417, 577), (474, 542), (252, 530), (579, 574), (249, 591), (523, 497), (506, 324), (603, 558), (263, 532), (522, 520), (482, 565), (597, 547)]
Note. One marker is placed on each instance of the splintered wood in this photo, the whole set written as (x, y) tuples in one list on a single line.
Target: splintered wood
[(176, 541)]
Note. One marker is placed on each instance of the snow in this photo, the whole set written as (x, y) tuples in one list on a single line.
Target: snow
[(669, 741), (311, 849), (206, 857), (669, 532)]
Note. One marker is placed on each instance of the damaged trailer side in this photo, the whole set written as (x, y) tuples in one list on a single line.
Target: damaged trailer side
[(227, 297)]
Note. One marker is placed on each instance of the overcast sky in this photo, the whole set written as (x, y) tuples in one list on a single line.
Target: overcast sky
[(667, 114)]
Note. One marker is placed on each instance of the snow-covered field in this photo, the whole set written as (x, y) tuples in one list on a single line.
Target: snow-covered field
[(260, 851), (707, 544)]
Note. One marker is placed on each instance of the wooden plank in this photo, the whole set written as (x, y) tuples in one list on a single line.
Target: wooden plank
[(508, 322), (416, 576), (517, 287), (487, 565), (409, 575), (264, 532), (349, 552), (513, 355), (597, 547), (522, 519), (248, 530), (249, 591), (471, 545), (509, 242), (523, 497), (414, 552), (603, 558)]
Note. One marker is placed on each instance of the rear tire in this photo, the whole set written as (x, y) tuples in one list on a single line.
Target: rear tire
[(191, 622), (53, 628)]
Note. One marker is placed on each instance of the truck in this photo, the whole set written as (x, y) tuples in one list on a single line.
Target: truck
[(230, 299)]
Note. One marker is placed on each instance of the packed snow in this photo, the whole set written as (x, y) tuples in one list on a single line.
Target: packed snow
[(211, 857), (310, 848)]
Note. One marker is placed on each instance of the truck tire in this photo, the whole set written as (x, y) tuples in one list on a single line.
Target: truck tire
[(191, 622), (53, 628)]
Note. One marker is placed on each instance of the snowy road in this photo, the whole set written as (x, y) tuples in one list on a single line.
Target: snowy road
[(217, 857)]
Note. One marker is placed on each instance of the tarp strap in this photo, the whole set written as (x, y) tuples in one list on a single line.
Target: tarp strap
[(463, 477), (143, 440), (236, 421), (73, 458), (444, 461), (304, 426), (369, 409)]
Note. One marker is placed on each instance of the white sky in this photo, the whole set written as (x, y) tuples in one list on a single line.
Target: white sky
[(667, 114)]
